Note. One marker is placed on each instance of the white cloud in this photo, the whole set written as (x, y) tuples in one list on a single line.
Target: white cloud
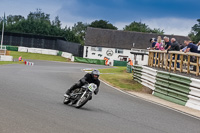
[(176, 26)]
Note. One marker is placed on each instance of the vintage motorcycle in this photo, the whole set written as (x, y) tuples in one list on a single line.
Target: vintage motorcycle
[(81, 96)]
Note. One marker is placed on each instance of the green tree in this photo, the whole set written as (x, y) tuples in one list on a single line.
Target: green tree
[(141, 27), (102, 24), (39, 23), (79, 30), (57, 22), (11, 19), (195, 33)]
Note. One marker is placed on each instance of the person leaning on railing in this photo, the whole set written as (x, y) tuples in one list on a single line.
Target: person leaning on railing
[(192, 48), (175, 47)]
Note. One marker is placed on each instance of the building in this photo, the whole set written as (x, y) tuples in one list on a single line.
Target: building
[(120, 45)]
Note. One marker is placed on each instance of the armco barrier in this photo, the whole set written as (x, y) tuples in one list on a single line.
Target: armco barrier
[(22, 49), (169, 86), (6, 58), (66, 55)]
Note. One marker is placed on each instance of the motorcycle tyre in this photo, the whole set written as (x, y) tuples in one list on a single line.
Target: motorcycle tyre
[(83, 102)]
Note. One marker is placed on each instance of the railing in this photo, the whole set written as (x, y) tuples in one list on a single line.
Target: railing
[(175, 60)]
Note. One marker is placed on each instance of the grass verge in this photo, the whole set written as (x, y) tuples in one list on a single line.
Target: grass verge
[(118, 77), (8, 62), (36, 56)]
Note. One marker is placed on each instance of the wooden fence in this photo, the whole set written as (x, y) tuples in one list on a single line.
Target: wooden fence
[(175, 61)]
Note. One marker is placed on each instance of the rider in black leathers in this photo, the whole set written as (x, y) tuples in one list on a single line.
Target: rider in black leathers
[(88, 78)]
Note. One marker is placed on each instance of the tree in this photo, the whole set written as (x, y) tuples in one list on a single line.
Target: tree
[(195, 33), (102, 24), (11, 19), (39, 23), (79, 30), (57, 22), (140, 27)]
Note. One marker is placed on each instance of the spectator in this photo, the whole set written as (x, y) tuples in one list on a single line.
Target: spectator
[(175, 47), (153, 41), (106, 61), (159, 45), (130, 62), (20, 58), (167, 43), (191, 47), (181, 46)]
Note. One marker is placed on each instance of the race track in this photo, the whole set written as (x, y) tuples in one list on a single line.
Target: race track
[(31, 102)]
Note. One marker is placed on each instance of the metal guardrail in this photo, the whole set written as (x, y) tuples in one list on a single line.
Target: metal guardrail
[(175, 60), (171, 87)]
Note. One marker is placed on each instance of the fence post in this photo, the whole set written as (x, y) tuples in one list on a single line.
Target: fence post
[(175, 63), (197, 68), (170, 62), (188, 64), (158, 60), (166, 61), (181, 63), (163, 60)]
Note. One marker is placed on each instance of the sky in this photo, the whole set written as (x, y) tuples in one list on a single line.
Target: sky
[(173, 16)]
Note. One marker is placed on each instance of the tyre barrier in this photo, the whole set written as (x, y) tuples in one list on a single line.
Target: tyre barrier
[(169, 86)]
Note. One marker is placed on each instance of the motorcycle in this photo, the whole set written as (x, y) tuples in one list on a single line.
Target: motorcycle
[(81, 96)]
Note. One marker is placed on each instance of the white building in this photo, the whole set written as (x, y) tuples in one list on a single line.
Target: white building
[(119, 45)]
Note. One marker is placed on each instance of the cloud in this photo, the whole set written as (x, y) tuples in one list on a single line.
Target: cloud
[(176, 26)]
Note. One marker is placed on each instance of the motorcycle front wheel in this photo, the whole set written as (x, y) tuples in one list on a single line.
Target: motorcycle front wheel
[(82, 101)]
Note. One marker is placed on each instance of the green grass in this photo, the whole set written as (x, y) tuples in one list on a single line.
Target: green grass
[(118, 77), (35, 56), (8, 62)]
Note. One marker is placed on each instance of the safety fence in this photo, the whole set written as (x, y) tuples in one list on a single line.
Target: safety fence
[(169, 86), (119, 63), (89, 61), (175, 60)]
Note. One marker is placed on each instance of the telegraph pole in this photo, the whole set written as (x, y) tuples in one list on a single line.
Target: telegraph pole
[(2, 30)]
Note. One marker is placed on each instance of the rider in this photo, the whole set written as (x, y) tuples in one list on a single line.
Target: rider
[(88, 78)]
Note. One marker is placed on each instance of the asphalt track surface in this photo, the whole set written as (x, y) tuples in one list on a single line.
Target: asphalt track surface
[(31, 102)]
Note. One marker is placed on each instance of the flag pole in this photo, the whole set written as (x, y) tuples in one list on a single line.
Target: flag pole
[(2, 31)]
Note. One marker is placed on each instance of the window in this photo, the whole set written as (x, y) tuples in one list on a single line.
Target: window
[(142, 57), (96, 48), (119, 51)]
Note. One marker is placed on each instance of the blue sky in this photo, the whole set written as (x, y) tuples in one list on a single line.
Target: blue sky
[(173, 16)]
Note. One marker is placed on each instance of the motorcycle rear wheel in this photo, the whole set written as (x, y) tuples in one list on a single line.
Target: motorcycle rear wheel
[(66, 100)]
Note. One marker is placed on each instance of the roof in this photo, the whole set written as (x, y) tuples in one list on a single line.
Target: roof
[(97, 37)]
